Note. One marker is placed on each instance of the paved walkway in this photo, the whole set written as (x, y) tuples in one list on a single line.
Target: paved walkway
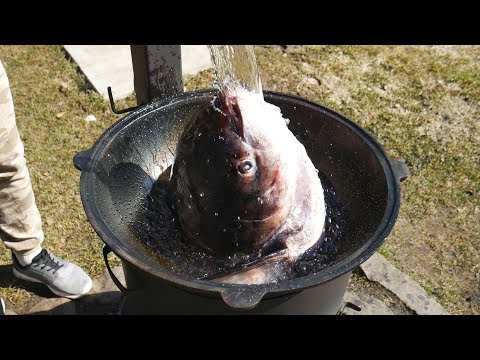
[(111, 65)]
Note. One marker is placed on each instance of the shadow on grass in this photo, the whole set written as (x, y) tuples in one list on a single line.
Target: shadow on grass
[(106, 303)]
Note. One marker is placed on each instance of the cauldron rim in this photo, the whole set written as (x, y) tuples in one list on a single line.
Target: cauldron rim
[(89, 159)]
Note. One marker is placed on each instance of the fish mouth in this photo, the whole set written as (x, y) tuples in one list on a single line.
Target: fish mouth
[(228, 106), (267, 218)]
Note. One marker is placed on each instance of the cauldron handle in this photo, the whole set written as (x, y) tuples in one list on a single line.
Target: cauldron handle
[(106, 251), (81, 159), (242, 298), (400, 169)]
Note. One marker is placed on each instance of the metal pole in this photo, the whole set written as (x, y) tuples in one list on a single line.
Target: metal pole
[(157, 71)]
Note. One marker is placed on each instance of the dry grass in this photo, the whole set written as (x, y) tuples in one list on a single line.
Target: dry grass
[(422, 104), (52, 99)]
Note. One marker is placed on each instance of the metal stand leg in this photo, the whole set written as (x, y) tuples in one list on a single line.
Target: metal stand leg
[(157, 71)]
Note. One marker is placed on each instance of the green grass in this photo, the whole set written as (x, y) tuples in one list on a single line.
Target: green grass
[(422, 104)]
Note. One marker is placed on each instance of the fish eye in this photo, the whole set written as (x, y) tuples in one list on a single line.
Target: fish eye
[(245, 167)]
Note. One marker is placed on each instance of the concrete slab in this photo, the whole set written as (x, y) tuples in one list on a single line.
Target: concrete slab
[(104, 291), (195, 58), (105, 65), (378, 269), (366, 305), (111, 65), (54, 306)]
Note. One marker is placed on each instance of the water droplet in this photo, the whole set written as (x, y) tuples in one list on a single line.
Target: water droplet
[(201, 194), (216, 213), (199, 134), (260, 200)]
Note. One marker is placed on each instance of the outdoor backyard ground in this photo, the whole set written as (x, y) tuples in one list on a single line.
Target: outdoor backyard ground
[(421, 102)]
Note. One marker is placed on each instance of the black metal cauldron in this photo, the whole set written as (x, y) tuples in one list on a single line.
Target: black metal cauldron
[(117, 175)]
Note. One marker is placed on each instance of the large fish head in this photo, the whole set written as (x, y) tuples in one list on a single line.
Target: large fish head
[(233, 175), (257, 163)]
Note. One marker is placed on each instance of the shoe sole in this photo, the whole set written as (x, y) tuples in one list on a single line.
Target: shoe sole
[(19, 275)]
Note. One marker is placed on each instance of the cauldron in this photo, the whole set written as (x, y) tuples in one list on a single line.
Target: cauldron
[(118, 173)]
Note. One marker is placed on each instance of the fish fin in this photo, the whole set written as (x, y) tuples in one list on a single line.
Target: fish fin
[(164, 177), (258, 271)]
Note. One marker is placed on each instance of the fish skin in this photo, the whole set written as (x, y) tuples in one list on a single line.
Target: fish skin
[(243, 186)]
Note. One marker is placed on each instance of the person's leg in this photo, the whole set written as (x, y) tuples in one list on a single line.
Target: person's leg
[(20, 221)]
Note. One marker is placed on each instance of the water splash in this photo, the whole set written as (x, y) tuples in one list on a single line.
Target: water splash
[(235, 66)]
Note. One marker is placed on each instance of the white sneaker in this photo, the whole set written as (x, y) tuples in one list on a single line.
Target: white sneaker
[(62, 277)]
